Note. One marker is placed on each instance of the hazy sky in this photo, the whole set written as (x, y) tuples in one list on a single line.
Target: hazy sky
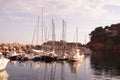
[(18, 17)]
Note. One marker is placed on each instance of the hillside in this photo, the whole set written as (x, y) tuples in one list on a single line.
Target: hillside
[(105, 39)]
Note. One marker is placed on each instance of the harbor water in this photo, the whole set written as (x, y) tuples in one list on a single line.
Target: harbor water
[(89, 69)]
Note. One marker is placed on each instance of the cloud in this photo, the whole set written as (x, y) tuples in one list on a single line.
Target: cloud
[(87, 8), (9, 17)]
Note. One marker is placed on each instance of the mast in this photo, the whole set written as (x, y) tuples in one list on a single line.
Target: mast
[(63, 31), (38, 31), (53, 34), (76, 37), (64, 34), (42, 27)]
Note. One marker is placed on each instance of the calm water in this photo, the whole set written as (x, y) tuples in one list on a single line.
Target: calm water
[(90, 69)]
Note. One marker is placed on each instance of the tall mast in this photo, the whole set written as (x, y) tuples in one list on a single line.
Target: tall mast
[(64, 34), (53, 30), (38, 30), (64, 31), (42, 27), (53, 33)]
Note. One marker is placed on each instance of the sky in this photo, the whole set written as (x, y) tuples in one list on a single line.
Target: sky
[(18, 18)]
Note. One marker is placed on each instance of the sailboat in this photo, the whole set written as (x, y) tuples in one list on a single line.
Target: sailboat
[(63, 55), (50, 56), (3, 62), (39, 52), (75, 52)]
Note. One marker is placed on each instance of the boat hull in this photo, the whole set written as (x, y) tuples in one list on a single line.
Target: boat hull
[(78, 59), (3, 63)]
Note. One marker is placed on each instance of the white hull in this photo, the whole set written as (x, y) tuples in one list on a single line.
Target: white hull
[(3, 63), (36, 51), (76, 56)]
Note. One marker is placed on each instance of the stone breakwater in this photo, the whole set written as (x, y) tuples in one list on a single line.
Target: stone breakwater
[(25, 48), (15, 47)]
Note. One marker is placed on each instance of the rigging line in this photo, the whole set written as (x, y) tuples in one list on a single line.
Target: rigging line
[(48, 33), (34, 33)]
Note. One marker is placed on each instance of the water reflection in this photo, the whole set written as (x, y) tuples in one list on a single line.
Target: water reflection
[(97, 67), (4, 75), (13, 62), (106, 65), (43, 71), (75, 66)]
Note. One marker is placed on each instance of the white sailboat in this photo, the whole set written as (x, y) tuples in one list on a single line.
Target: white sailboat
[(52, 53), (37, 29), (3, 62), (63, 55), (75, 53)]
